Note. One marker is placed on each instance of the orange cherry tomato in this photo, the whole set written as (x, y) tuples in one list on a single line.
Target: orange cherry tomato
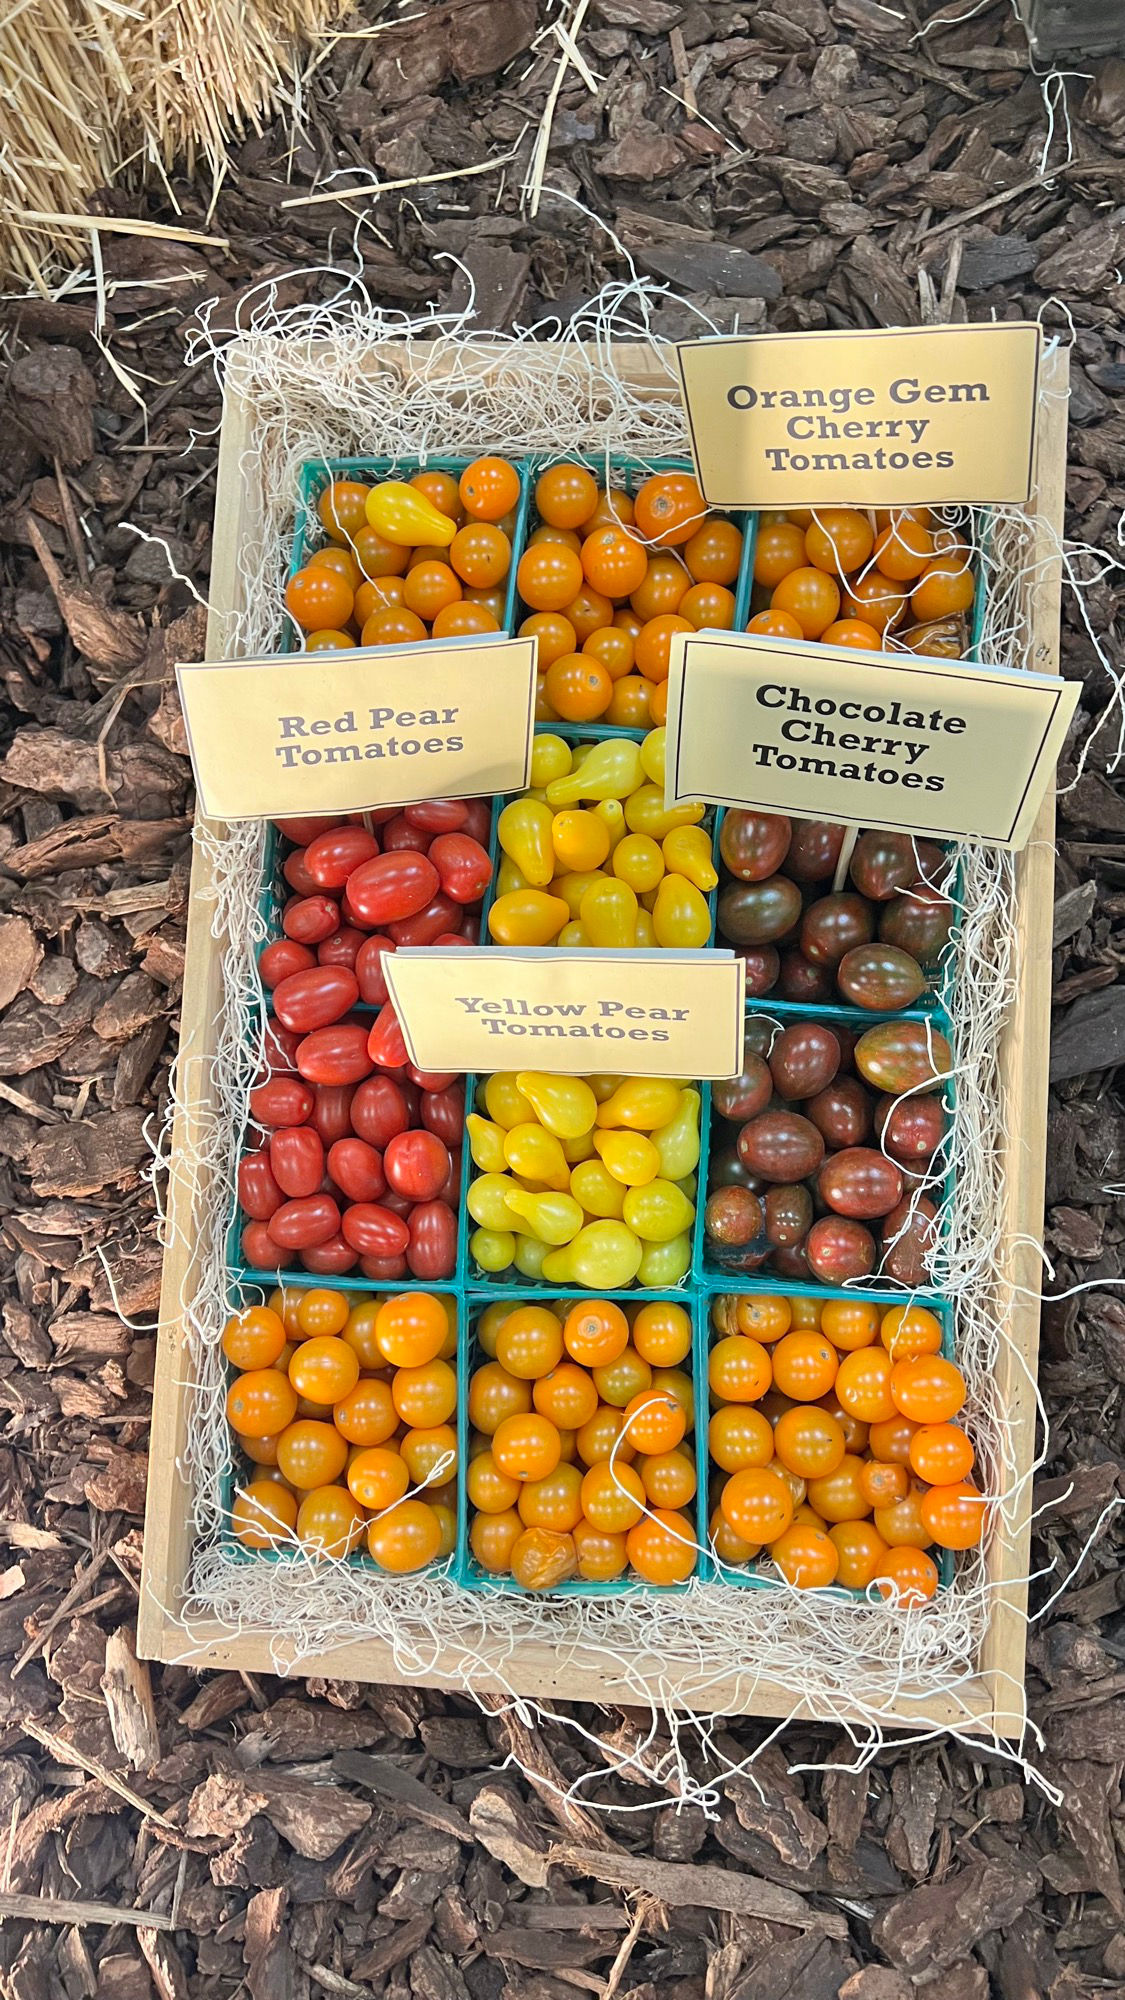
[(811, 596), (805, 1313), (319, 598), (263, 1514), (377, 557), (431, 1455), (658, 706), (589, 612), (612, 648), (359, 1332), (411, 1328), (907, 1577), (617, 1382), (549, 577), (757, 1504), (901, 1523), (661, 1548), (908, 1331), (765, 1316), (668, 1478), (612, 1497), (661, 589), (662, 1333), (287, 1304), (372, 597), (631, 704), (530, 1342), (494, 1395), (874, 600), (839, 539), (714, 553), (596, 1332), (852, 632), (489, 488), (406, 1538), (944, 588), (321, 1312), (377, 1477), (566, 495), (775, 625), (861, 1551), (441, 489), (601, 1557), (567, 1396), (429, 587), (709, 607), (929, 1390), (492, 1537), (675, 1382), (941, 1454), (668, 508), (480, 554), (328, 641), (625, 618), (311, 1454), (342, 509), (883, 1483), (578, 687), (727, 1546), (863, 1385), (425, 552), (339, 559), (543, 709), (553, 1502), (806, 1557), (887, 517), (654, 1421), (324, 1369), (804, 1366), (545, 533), (488, 1326), (260, 1403), (492, 601), (393, 625), (838, 1495), (739, 1436), (954, 1516), (615, 507), (809, 1442), (890, 1439), (330, 1522), (654, 644), (555, 633), (253, 1338), (850, 1323), (526, 1446), (739, 1370), (780, 549), (367, 1415), (425, 1395), (457, 621), (613, 562), (902, 551), (595, 1440), (489, 1488)]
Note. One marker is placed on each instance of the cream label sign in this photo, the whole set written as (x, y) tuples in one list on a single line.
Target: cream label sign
[(333, 732), (573, 1013), (921, 415), (913, 744)]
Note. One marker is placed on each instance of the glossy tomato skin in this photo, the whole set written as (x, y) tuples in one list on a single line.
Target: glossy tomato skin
[(258, 1192), (280, 1045), (385, 1044), (374, 1230), (744, 1096), (309, 919), (380, 1109), (842, 1111), (814, 849), (441, 914), (391, 887), (432, 1250), (399, 835), (369, 969), (316, 998), (357, 1169), (342, 948), (478, 820), (332, 1111), (416, 1165), (438, 815), (301, 1224), (803, 1060), (332, 1259), (754, 844), (300, 830), (297, 1160), (463, 865), (281, 959), (338, 1054), (295, 871), (333, 856), (443, 1112), (281, 1100), (781, 1146), (261, 1252)]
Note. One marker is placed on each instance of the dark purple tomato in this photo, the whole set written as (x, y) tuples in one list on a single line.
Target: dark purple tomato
[(742, 1097), (788, 1215), (300, 1225), (369, 970), (375, 1231), (335, 855), (883, 862), (814, 850), (762, 967), (799, 979), (426, 926), (260, 1251), (281, 959), (781, 1146), (750, 1257), (297, 1160), (332, 1259), (390, 887), (341, 949), (861, 1183), (759, 1033), (432, 1250), (729, 1170), (335, 1055), (791, 1261), (910, 1237), (281, 1100), (443, 1112), (833, 925), (918, 920), (315, 999), (733, 1216), (357, 1169), (839, 1249), (903, 1055), (758, 912), (380, 1109), (310, 919), (258, 1192), (880, 977), (842, 1111), (753, 844), (332, 1112), (911, 1128), (804, 1059), (416, 1164)]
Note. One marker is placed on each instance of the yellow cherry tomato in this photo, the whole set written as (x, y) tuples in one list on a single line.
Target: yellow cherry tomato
[(492, 1249), (653, 751), (579, 838), (527, 917), (638, 861), (645, 812), (487, 1201), (612, 813), (509, 878), (665, 1264)]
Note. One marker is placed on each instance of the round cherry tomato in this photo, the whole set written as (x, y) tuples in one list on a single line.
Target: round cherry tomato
[(318, 598), (338, 1054), (489, 488), (780, 549), (258, 1192), (316, 998), (297, 1160), (714, 552), (261, 1403), (614, 562), (929, 1390), (668, 508), (281, 1100), (281, 959), (566, 496), (954, 1516), (549, 576), (811, 596), (392, 886), (941, 1454)]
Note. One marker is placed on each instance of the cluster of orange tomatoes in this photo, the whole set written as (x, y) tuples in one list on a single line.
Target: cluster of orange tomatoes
[(835, 1451), (847, 578), (608, 579), (581, 1461), (406, 560), (345, 1409)]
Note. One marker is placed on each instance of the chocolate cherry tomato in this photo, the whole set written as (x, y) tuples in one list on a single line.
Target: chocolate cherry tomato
[(369, 969), (733, 1216), (910, 1237), (781, 1146), (392, 886), (301, 1224), (357, 1169), (437, 815), (918, 920), (432, 1250), (762, 964), (332, 1111), (758, 912), (379, 1110), (903, 1055), (842, 1112), (260, 1251), (335, 855), (416, 1164), (342, 948), (910, 1128), (258, 1192), (803, 1060), (426, 926), (788, 1215), (861, 1183), (880, 977), (883, 863), (281, 959), (374, 1231), (833, 925), (316, 998), (281, 1100), (799, 979), (463, 864), (297, 1160), (335, 1055), (754, 844), (443, 1112), (741, 1097), (838, 1249), (814, 850), (309, 919), (385, 1045)]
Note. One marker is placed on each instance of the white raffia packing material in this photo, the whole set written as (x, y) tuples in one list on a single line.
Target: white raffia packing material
[(843, 1658)]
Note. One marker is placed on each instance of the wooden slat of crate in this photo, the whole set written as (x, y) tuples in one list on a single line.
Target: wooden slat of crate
[(994, 1698)]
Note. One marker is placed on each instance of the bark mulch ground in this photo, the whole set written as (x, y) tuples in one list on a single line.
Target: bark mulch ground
[(802, 166)]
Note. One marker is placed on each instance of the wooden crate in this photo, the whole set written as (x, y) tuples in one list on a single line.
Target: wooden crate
[(993, 1699)]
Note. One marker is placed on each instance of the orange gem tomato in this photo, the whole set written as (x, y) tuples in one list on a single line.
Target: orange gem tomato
[(547, 534), (941, 1454), (555, 633), (804, 1366), (613, 648), (662, 588), (882, 1483), (850, 1323), (253, 1338), (330, 1522), (311, 1453), (765, 1316), (317, 598), (341, 560), (406, 1538), (668, 1478), (321, 1312), (739, 1436), (530, 1342), (429, 587), (261, 1451), (901, 1523), (554, 1501), (263, 1514), (838, 539), (709, 607), (411, 1328), (328, 641), (480, 554), (458, 621), (425, 1395), (909, 1331), (668, 508), (601, 1557), (632, 705), (757, 1504), (617, 1382), (944, 588), (494, 1395), (661, 1548), (890, 1439), (431, 1455), (929, 1390), (811, 596), (489, 488), (863, 1385), (654, 644), (775, 625), (549, 577), (542, 1559), (839, 1495), (727, 1546), (260, 1403), (654, 1421), (662, 1333), (714, 553), (526, 1446), (392, 625), (902, 551), (596, 1332), (806, 1557), (613, 562), (852, 632), (372, 597), (739, 1369), (566, 495), (954, 1516), (489, 1488), (567, 1396), (578, 688), (342, 509), (860, 1550), (492, 1537), (596, 1439), (780, 549), (588, 612), (614, 507), (377, 1477), (367, 1415), (874, 600), (324, 1370), (612, 1497), (378, 557), (907, 1577), (809, 1442), (441, 489)]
